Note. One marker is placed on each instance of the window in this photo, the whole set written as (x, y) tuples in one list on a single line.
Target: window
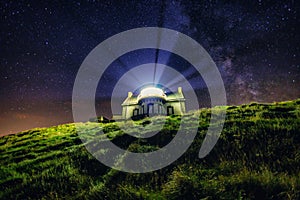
[(170, 110), (135, 112), (150, 108)]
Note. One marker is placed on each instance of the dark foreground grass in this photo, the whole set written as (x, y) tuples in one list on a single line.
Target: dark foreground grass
[(256, 157)]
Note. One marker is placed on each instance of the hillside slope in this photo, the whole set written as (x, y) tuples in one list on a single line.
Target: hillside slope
[(256, 157)]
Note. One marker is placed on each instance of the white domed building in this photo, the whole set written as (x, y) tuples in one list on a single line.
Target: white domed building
[(153, 101)]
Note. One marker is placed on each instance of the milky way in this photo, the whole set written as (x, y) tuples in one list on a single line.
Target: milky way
[(42, 45)]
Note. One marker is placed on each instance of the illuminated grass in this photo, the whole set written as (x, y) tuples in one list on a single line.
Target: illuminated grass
[(256, 157)]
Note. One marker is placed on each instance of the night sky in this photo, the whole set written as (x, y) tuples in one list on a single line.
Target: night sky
[(42, 45)]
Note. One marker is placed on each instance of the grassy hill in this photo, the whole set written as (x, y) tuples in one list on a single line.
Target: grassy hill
[(256, 157)]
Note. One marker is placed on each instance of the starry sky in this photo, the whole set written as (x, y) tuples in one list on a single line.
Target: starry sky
[(255, 46)]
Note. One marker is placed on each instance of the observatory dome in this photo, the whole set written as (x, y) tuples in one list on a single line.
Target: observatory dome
[(151, 92)]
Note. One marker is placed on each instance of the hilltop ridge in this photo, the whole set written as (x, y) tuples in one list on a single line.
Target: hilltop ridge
[(257, 156)]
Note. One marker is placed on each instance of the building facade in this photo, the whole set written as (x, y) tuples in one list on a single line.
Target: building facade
[(153, 101)]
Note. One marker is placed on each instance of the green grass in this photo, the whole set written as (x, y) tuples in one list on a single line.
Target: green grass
[(257, 157)]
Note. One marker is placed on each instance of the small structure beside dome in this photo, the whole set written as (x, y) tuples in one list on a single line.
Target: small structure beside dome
[(153, 101)]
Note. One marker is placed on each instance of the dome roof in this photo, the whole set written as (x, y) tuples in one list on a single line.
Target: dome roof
[(151, 92)]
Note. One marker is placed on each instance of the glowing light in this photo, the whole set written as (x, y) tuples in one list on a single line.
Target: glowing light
[(151, 92)]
